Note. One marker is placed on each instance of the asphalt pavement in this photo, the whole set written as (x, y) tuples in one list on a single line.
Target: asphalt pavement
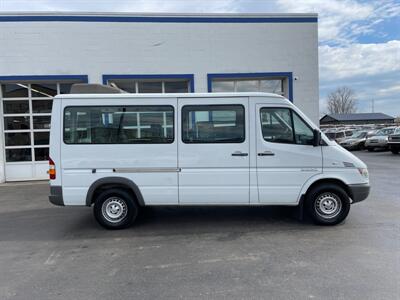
[(49, 252)]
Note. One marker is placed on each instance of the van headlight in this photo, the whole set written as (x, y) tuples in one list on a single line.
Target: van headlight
[(363, 172)]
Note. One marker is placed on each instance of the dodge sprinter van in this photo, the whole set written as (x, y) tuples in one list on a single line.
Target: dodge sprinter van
[(120, 152)]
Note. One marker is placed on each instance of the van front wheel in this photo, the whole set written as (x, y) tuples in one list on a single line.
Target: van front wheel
[(115, 209), (328, 204)]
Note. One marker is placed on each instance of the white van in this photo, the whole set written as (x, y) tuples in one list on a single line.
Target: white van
[(120, 152)]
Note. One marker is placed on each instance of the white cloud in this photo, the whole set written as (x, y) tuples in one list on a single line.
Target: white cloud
[(359, 60), (178, 6), (390, 90), (121, 5), (24, 5), (341, 21)]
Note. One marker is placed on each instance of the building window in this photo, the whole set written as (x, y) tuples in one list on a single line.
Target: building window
[(267, 85), (26, 118), (152, 86)]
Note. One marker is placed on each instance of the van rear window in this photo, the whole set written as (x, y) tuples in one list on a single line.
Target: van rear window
[(119, 124)]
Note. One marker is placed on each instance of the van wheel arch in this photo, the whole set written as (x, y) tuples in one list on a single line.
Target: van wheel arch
[(329, 181), (113, 182)]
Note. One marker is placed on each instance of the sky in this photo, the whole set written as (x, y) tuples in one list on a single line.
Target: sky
[(359, 40)]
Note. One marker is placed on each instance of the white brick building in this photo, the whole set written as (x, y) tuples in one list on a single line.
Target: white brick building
[(42, 54)]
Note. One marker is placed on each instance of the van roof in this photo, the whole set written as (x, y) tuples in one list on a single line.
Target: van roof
[(168, 95)]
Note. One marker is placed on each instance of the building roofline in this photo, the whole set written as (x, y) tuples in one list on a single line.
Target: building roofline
[(151, 14), (156, 17), (357, 117)]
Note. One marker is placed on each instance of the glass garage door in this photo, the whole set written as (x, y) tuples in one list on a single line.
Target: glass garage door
[(152, 85), (268, 85), (26, 115)]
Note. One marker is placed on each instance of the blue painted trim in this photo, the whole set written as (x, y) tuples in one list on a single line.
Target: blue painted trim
[(106, 120), (210, 116), (193, 113), (159, 19), (81, 78), (288, 75), (190, 77)]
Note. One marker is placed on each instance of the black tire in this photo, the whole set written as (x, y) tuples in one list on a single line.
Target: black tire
[(361, 146), (370, 149), (395, 150), (115, 209), (321, 200)]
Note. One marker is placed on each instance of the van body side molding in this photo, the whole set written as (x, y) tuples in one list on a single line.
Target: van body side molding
[(114, 180), (146, 170)]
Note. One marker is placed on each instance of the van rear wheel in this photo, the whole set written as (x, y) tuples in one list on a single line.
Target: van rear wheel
[(328, 204), (115, 209)]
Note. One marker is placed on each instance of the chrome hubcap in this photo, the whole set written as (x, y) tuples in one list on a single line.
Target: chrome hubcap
[(328, 205), (114, 209)]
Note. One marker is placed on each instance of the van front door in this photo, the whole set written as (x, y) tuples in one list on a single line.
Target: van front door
[(286, 158), (213, 151)]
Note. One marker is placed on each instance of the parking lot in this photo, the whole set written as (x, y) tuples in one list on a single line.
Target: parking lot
[(49, 252)]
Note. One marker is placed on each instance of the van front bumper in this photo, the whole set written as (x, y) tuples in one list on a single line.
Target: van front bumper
[(359, 192), (56, 196)]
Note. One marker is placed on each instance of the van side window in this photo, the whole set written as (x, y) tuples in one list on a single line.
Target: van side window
[(282, 125), (119, 125), (213, 124)]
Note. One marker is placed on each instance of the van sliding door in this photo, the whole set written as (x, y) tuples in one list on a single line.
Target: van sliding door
[(213, 149)]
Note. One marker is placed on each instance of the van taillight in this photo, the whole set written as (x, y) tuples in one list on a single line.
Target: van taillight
[(52, 169)]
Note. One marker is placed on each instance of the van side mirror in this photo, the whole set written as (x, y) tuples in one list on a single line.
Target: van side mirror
[(317, 137)]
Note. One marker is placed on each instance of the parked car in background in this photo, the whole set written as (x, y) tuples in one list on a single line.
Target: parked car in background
[(356, 141), (379, 140), (394, 141), (339, 135), (372, 132)]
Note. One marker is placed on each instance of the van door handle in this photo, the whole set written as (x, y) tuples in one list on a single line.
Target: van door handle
[(238, 153), (266, 153)]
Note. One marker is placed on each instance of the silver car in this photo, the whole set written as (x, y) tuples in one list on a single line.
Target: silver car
[(339, 135), (356, 141), (379, 140)]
